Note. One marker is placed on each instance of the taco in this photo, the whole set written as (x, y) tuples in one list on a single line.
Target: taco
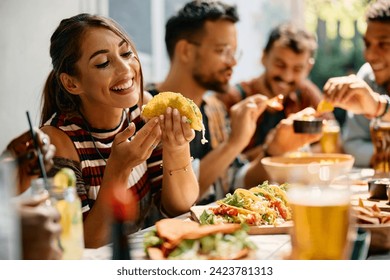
[(159, 103), (262, 205), (225, 213), (276, 195), (185, 240)]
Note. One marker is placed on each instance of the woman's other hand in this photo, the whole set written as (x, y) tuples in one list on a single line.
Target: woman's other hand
[(130, 149), (176, 130)]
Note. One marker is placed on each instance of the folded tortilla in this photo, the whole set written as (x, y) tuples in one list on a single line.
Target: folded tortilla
[(159, 103), (173, 231)]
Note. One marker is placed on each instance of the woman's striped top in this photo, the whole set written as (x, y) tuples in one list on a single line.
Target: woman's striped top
[(94, 146)]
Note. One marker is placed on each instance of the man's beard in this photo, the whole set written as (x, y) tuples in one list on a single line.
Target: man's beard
[(211, 84)]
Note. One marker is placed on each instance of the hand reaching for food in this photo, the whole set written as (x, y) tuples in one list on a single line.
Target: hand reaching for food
[(353, 94)]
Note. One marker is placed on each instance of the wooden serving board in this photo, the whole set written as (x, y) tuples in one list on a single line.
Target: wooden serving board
[(382, 204), (284, 228)]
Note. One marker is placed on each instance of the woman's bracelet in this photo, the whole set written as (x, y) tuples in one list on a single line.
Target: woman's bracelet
[(184, 169), (378, 107)]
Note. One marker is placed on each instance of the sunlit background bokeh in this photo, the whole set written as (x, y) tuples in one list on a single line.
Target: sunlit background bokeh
[(28, 25)]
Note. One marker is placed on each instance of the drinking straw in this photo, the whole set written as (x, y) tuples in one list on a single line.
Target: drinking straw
[(41, 166), (40, 156)]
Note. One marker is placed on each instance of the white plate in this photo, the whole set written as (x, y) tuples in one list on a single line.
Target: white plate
[(284, 228)]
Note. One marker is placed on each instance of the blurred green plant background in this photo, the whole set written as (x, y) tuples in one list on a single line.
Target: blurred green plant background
[(339, 25)]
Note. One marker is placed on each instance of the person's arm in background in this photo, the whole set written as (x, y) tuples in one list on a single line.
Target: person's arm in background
[(282, 139), (22, 148), (243, 117), (359, 93), (362, 98), (357, 139)]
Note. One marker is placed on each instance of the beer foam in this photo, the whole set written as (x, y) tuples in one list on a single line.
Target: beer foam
[(331, 129), (319, 196)]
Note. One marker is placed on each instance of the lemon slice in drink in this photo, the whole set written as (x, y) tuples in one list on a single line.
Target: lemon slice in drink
[(64, 178), (324, 107)]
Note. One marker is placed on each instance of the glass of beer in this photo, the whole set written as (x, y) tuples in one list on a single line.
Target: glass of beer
[(380, 137), (330, 137), (322, 223)]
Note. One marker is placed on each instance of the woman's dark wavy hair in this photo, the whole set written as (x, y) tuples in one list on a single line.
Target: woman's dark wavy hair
[(65, 51)]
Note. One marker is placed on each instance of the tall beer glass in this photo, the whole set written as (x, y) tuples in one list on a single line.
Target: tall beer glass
[(380, 136), (330, 137), (321, 217)]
